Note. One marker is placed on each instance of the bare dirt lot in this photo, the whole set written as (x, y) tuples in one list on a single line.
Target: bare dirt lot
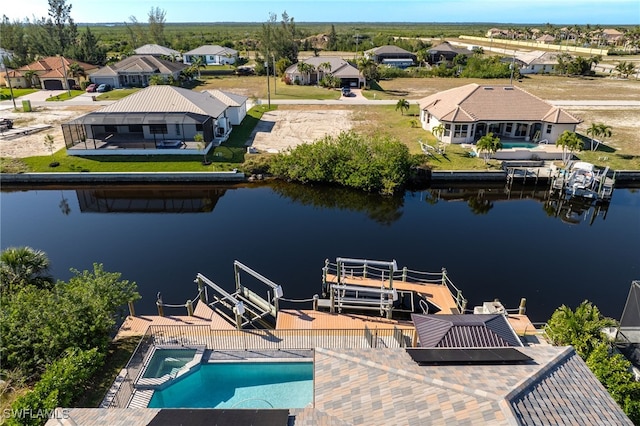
[(33, 144)]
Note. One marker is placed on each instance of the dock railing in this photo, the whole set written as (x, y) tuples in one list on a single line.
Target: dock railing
[(366, 270)]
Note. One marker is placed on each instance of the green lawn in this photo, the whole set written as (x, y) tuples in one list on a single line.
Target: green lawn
[(5, 93), (115, 94), (65, 96)]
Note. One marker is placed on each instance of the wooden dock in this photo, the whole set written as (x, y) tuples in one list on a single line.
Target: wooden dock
[(318, 320), (437, 294)]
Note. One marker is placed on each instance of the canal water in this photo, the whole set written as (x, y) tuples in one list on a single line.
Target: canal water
[(494, 242)]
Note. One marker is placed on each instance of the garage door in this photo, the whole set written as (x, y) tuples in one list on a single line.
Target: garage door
[(52, 85), (103, 80)]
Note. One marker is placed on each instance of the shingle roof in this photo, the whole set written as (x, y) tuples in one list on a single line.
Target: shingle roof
[(140, 64), (389, 49), (384, 386), (164, 98), (339, 67), (473, 102), (208, 49), (155, 49), (447, 47), (465, 331)]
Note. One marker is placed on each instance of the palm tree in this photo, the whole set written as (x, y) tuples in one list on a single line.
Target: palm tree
[(625, 69), (438, 131), (22, 266), (488, 144), (368, 68), (324, 68), (594, 131), (198, 62), (202, 145), (30, 76), (402, 105), (305, 69), (76, 71), (569, 142)]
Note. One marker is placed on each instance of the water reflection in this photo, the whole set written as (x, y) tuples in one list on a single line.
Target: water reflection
[(149, 199), (383, 210)]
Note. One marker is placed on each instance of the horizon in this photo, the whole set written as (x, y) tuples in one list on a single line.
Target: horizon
[(555, 12)]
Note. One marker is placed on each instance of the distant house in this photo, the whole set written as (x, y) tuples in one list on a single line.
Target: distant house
[(157, 50), (53, 73), (212, 55), (155, 120), (471, 111), (445, 53), (612, 36), (237, 105), (545, 39), (536, 62), (393, 56), (349, 75), (136, 71)]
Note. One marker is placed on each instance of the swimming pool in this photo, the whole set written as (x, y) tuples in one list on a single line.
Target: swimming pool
[(168, 361), (507, 145), (240, 385)]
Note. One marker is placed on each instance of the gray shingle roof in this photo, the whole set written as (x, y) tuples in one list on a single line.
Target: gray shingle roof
[(155, 49), (209, 49), (465, 331), (474, 102), (389, 49), (140, 64), (339, 67)]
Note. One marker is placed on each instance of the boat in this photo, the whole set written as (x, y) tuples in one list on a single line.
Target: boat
[(584, 180)]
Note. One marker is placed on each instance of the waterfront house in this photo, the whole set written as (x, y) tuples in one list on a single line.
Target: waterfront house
[(155, 120), (320, 66), (212, 55), (136, 71), (237, 105), (392, 56), (53, 72), (469, 112)]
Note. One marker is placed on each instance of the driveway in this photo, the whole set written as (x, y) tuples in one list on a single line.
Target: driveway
[(40, 95)]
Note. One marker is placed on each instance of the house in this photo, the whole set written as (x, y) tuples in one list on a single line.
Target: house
[(546, 39), (445, 53), (537, 62), (469, 112), (237, 105), (157, 50), (212, 55), (612, 36), (136, 71), (348, 74), (15, 78), (392, 56), (53, 72), (156, 120)]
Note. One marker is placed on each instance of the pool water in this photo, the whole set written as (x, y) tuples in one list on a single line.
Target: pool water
[(507, 145), (168, 361), (240, 385)]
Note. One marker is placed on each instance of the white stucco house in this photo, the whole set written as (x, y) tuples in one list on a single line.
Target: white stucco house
[(237, 105), (212, 54), (471, 111), (537, 62)]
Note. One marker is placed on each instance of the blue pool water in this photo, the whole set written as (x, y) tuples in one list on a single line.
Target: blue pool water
[(167, 361), (241, 385), (507, 145)]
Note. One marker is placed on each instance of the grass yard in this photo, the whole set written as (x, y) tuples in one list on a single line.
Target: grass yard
[(115, 94), (65, 96), (5, 93)]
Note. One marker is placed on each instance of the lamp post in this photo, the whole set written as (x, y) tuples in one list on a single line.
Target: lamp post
[(266, 65)]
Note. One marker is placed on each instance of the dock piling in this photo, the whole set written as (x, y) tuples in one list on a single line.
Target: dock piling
[(132, 311), (189, 306), (522, 307)]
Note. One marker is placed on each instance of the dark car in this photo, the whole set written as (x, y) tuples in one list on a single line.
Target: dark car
[(91, 88), (347, 92), (103, 88), (6, 124)]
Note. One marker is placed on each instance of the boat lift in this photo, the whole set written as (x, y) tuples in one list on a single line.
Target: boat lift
[(243, 308)]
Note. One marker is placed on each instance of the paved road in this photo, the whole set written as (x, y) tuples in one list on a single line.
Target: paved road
[(39, 99)]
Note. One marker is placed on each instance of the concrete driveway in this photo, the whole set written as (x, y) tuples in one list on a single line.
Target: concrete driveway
[(40, 95)]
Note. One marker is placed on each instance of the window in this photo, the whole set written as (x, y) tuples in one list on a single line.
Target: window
[(199, 127), (549, 127), (508, 128), (158, 128), (110, 129), (178, 129), (447, 130), (135, 128), (460, 130)]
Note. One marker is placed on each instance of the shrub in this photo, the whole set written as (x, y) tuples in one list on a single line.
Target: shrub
[(377, 164)]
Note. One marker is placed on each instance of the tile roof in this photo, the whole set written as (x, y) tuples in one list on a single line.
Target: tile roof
[(164, 98), (387, 387), (464, 331), (51, 66), (474, 102)]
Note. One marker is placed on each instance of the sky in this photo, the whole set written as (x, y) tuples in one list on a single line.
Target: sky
[(572, 12)]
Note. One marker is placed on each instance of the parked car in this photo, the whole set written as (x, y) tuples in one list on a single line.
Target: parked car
[(103, 88), (347, 92), (91, 88), (5, 124)]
